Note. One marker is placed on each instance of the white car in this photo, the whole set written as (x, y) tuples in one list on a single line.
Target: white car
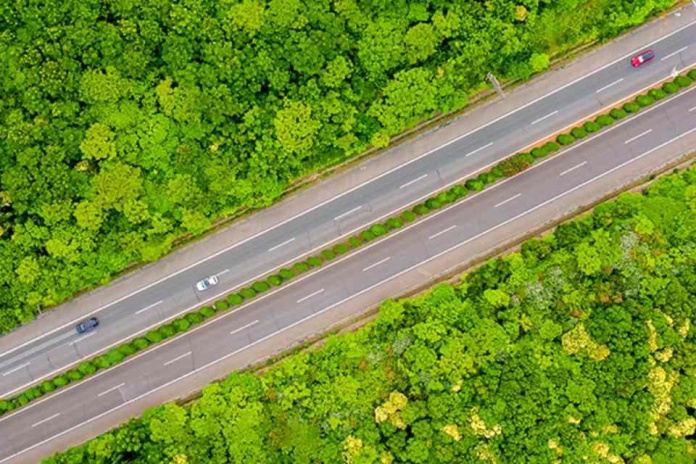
[(206, 283)]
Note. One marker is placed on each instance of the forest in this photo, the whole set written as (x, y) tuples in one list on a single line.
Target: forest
[(578, 348), (126, 125)]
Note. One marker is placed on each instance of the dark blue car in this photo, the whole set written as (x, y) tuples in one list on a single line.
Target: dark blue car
[(87, 326)]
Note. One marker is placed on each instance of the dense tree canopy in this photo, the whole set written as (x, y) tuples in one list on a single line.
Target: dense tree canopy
[(124, 124), (580, 348)]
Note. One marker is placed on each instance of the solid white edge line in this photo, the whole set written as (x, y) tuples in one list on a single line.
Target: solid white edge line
[(310, 296), (244, 327), (442, 232), (105, 392), (377, 264), (573, 168), (633, 139), (514, 197), (266, 295), (178, 358), (673, 53), (12, 371), (148, 307), (347, 213), (478, 150), (609, 85), (212, 363), (352, 189), (273, 248), (410, 182), (545, 117), (45, 420)]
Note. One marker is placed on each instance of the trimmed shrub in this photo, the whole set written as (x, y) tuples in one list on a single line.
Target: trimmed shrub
[(47, 386), (458, 191), (23, 399), (74, 375), (247, 293), (312, 261), (538, 152), (526, 157), (103, 362), (115, 356), (644, 100), (5, 406), (167, 331), (433, 203), (126, 349), (445, 198), (275, 280), (683, 81), (194, 318), (578, 133), (287, 274), (632, 107), (87, 368), (61, 381), (35, 392), (474, 185), (617, 113), (497, 172), (420, 209), (219, 305), (340, 249), (565, 139), (692, 74), (378, 229), (591, 126), (141, 343), (552, 146), (367, 236), (354, 242), (235, 299), (657, 94), (408, 216), (181, 324), (327, 254), (487, 177), (516, 164), (394, 223), (260, 286), (153, 336), (207, 312), (670, 87), (604, 120)]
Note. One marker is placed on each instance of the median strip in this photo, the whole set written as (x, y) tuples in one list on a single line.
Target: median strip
[(505, 169)]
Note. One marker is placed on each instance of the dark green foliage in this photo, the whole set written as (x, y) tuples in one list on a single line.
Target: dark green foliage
[(127, 349), (578, 132), (219, 305), (683, 81), (275, 280), (141, 343), (539, 152), (327, 255), (125, 127), (355, 241), (591, 126), (115, 355), (604, 120), (207, 312), (394, 223), (153, 336), (457, 192), (565, 139), (181, 324), (432, 204), (260, 286), (474, 185), (617, 113), (657, 94), (247, 293), (692, 74), (48, 386), (420, 209), (516, 164), (497, 172), (314, 261), (194, 318), (631, 107), (86, 368), (340, 248), (166, 331), (74, 374), (670, 87), (644, 100), (378, 230), (552, 146), (61, 381)]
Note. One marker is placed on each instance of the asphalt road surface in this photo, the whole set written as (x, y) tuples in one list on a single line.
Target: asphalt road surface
[(56, 349), (586, 169)]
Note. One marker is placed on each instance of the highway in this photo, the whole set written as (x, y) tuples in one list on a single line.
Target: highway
[(588, 169), (28, 357)]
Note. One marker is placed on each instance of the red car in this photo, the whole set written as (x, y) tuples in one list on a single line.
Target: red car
[(642, 58)]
